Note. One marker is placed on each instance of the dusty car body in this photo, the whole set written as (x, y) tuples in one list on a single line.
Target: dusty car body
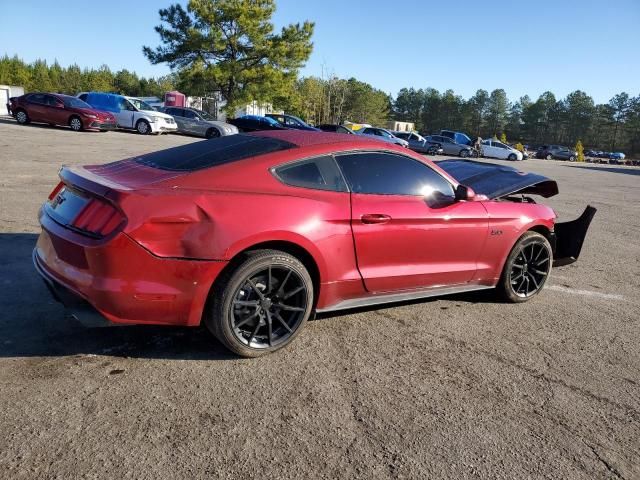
[(251, 233)]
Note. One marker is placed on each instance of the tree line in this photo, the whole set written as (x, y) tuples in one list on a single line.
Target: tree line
[(44, 77), (614, 125)]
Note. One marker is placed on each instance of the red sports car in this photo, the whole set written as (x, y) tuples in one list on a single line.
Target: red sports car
[(58, 109), (251, 233)]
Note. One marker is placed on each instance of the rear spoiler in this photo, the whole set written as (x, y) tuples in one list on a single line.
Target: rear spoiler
[(570, 237)]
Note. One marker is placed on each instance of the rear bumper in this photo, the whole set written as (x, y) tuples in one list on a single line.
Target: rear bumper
[(120, 279), (569, 237)]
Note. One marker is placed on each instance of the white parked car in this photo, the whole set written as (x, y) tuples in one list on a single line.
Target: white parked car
[(496, 149), (131, 113), (382, 134)]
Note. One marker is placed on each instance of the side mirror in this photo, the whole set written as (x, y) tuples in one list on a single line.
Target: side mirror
[(464, 193)]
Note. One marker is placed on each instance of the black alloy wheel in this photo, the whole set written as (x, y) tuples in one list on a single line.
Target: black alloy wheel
[(527, 268), (262, 304)]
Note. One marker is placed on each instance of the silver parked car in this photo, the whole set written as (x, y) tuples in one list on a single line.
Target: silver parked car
[(419, 144), (383, 134), (450, 147), (197, 122)]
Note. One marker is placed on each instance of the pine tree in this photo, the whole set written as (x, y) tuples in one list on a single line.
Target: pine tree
[(580, 150), (503, 137)]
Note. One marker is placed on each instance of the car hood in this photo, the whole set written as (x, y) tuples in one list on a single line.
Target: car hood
[(93, 111), (497, 181)]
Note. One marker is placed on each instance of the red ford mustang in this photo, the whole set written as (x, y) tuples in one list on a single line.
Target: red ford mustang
[(251, 233), (58, 109)]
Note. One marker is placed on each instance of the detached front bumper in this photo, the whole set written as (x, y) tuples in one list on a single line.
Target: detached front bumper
[(569, 237), (99, 125), (159, 127)]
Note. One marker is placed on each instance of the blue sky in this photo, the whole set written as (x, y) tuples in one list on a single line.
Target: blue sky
[(525, 47)]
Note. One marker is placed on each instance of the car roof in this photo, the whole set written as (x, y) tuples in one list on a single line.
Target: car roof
[(304, 138)]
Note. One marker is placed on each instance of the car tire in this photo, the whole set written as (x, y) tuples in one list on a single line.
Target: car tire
[(212, 133), (246, 309), (513, 157), (464, 153), (572, 158), (22, 117), (75, 123), (143, 127), (526, 269), (549, 157)]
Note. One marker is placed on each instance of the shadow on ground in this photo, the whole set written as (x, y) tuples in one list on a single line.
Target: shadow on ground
[(34, 324)]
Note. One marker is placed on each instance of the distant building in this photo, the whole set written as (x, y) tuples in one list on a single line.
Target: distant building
[(401, 126), (6, 92)]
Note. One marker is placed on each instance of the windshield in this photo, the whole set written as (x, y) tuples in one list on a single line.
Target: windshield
[(270, 121), (204, 115), (140, 105), (75, 102)]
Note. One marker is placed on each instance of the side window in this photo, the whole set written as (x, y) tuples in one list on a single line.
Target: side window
[(319, 173), (389, 174), (51, 100), (189, 114), (37, 98), (83, 97), (368, 131)]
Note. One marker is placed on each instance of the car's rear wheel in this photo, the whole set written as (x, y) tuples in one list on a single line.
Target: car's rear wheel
[(21, 117), (143, 127), (572, 158), (464, 153), (261, 305), (527, 268), (75, 123), (513, 157), (212, 133), (549, 157)]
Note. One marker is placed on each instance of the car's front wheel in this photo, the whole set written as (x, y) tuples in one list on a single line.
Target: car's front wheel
[(513, 157), (21, 117), (212, 133), (75, 123), (572, 158), (549, 157), (464, 153), (261, 305), (143, 127), (527, 268)]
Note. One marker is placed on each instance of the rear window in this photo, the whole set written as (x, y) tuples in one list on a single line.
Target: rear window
[(210, 153)]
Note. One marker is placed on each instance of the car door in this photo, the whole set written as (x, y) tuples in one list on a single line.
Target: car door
[(408, 230), (500, 150), (36, 108), (448, 145), (125, 114), (176, 113), (54, 110), (488, 149), (192, 122)]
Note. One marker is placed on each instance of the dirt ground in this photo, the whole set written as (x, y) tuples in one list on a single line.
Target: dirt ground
[(457, 387)]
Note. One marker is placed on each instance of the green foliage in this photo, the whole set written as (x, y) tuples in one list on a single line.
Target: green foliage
[(230, 46), (38, 76), (580, 151), (518, 146), (503, 137)]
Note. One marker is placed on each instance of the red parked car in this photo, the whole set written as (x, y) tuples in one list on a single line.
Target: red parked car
[(58, 109), (251, 233)]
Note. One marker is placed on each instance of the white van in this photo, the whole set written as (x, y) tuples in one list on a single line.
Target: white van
[(131, 113)]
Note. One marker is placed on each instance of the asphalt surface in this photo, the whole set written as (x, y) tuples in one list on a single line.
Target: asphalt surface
[(458, 387)]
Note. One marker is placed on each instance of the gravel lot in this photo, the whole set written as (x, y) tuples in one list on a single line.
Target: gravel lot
[(459, 387)]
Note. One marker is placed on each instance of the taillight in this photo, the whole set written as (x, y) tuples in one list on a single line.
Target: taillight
[(56, 190), (98, 217)]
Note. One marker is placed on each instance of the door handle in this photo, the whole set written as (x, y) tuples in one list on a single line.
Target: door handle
[(371, 218)]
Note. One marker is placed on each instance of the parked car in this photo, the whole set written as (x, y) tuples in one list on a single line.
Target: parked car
[(131, 113), (419, 144), (327, 127), (249, 234), (197, 122), (495, 149), (57, 109), (450, 147), (290, 121), (557, 152), (458, 137), (254, 123), (382, 134)]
